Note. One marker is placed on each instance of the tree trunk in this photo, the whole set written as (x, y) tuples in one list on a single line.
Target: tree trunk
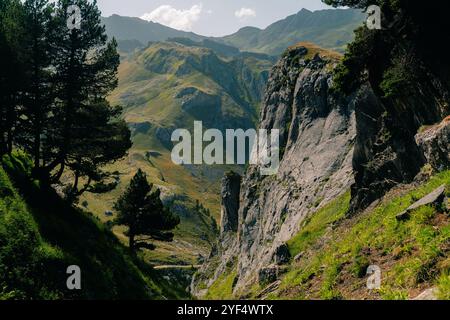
[(9, 141), (37, 149), (132, 242)]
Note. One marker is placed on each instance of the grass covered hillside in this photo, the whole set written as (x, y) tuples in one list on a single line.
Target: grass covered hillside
[(40, 236), (331, 253), (167, 86), (172, 84)]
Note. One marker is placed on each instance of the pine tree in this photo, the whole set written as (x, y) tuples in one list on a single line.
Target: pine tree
[(37, 97), (143, 212), (87, 132), (11, 71)]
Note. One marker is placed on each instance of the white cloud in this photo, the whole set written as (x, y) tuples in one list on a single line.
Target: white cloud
[(175, 18), (244, 13)]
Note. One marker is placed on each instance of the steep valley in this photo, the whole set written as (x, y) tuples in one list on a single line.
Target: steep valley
[(167, 86)]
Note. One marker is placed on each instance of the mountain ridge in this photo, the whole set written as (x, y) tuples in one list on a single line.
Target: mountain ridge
[(329, 28)]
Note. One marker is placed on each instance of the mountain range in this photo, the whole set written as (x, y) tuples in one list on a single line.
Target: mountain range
[(331, 28)]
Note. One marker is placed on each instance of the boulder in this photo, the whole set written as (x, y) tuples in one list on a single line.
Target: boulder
[(435, 144), (435, 198), (429, 294)]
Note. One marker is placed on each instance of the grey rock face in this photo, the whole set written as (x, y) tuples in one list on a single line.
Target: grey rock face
[(231, 186), (435, 198), (317, 133), (196, 101), (429, 294), (435, 144), (386, 152)]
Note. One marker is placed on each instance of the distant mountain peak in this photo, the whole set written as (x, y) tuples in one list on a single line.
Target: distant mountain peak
[(329, 28), (249, 28), (304, 10)]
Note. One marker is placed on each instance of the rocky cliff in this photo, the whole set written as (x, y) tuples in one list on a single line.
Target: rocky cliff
[(231, 187), (294, 236), (317, 132), (386, 152), (386, 140)]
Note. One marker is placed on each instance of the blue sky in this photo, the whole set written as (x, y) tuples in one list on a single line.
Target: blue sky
[(209, 17)]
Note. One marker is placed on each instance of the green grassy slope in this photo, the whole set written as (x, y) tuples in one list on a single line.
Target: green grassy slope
[(413, 255), (150, 80), (335, 251), (40, 236)]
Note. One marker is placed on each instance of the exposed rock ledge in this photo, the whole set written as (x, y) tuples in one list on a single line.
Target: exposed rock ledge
[(435, 144)]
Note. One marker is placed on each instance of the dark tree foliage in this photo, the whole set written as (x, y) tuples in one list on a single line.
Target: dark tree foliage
[(88, 133), (349, 3), (54, 82), (142, 211), (11, 24), (406, 66), (407, 49), (37, 95)]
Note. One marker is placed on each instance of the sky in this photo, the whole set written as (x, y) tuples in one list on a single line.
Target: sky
[(209, 17)]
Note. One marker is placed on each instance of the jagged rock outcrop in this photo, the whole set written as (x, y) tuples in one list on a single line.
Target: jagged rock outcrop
[(435, 198), (231, 186), (386, 151), (435, 144), (317, 133), (196, 102)]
